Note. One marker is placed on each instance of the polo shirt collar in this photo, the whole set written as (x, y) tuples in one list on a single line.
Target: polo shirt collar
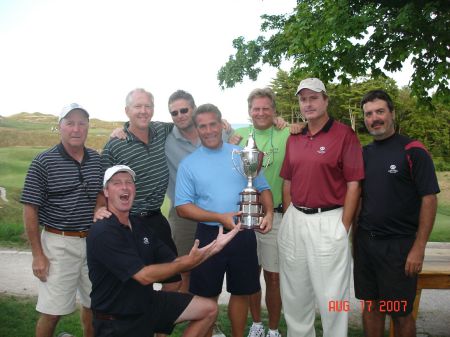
[(177, 134), (132, 138), (116, 222), (325, 128), (65, 154)]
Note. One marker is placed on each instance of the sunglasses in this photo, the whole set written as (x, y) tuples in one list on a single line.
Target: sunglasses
[(183, 111)]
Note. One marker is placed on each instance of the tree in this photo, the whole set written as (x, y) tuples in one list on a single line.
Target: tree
[(345, 39)]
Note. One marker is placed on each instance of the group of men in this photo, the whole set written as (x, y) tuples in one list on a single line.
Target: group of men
[(313, 186)]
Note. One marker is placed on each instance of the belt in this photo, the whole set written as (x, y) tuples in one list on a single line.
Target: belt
[(308, 210), (278, 209), (148, 213), (78, 234)]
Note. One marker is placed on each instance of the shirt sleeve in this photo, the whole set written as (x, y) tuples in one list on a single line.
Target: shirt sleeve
[(352, 158), (35, 187), (260, 182), (184, 187), (423, 171), (286, 172), (107, 157)]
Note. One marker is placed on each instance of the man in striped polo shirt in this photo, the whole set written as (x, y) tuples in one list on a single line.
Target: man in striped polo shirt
[(59, 194), (143, 151)]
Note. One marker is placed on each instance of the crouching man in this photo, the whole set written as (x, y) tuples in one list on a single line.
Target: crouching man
[(126, 258)]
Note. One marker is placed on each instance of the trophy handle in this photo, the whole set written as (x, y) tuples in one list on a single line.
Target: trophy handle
[(237, 167)]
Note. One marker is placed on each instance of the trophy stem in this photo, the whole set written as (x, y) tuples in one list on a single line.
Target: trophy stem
[(249, 182)]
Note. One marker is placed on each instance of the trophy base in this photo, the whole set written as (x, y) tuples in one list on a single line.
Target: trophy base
[(250, 221)]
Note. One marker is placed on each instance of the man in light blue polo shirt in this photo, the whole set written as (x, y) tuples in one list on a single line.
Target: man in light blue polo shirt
[(207, 191), (182, 141)]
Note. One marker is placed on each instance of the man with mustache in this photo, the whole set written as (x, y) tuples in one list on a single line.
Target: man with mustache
[(396, 218)]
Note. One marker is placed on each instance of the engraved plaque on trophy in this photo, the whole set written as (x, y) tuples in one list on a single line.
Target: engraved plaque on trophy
[(249, 165)]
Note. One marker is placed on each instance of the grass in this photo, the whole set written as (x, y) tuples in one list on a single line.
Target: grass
[(22, 319), (14, 162)]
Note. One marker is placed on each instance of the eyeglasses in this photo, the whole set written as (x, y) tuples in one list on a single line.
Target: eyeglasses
[(183, 111)]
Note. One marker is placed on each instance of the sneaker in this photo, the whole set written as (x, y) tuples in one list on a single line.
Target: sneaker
[(217, 332), (273, 334), (65, 334), (256, 330)]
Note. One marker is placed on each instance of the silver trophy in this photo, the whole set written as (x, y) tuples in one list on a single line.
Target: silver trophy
[(250, 164)]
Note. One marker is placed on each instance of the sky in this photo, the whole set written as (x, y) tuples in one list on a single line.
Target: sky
[(93, 52)]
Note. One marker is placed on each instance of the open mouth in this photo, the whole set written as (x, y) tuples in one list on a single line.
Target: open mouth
[(125, 197)]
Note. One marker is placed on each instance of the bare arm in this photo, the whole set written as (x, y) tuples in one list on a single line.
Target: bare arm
[(267, 202), (193, 212), (100, 211), (158, 272), (414, 261), (286, 194), (40, 262), (351, 203)]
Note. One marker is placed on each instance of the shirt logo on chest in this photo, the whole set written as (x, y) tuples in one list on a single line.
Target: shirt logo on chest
[(146, 241), (392, 169), (322, 150)]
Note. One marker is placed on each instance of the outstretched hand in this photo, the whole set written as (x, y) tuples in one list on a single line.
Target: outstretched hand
[(223, 239), (198, 255), (227, 219)]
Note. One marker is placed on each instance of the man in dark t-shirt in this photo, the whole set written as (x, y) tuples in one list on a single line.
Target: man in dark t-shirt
[(125, 258), (396, 218)]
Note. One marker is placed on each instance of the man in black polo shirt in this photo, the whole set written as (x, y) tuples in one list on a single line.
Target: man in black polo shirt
[(397, 215), (125, 258), (59, 194)]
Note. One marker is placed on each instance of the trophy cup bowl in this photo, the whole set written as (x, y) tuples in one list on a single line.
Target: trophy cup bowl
[(249, 166)]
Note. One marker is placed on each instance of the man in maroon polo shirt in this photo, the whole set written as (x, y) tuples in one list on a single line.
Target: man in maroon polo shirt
[(322, 170)]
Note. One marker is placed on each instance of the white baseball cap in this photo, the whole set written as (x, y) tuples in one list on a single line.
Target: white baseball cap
[(115, 169), (313, 84), (68, 108)]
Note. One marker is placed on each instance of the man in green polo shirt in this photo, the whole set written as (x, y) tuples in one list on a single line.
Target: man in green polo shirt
[(272, 141)]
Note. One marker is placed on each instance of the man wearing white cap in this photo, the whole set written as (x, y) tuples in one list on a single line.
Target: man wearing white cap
[(59, 195), (125, 258), (322, 170)]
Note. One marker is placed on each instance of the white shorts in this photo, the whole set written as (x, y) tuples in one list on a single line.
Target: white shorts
[(68, 273), (268, 246)]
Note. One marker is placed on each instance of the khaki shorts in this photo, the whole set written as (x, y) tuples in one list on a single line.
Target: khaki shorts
[(183, 232), (267, 246), (68, 274)]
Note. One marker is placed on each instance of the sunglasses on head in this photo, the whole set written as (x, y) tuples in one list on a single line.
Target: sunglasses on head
[(183, 111)]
